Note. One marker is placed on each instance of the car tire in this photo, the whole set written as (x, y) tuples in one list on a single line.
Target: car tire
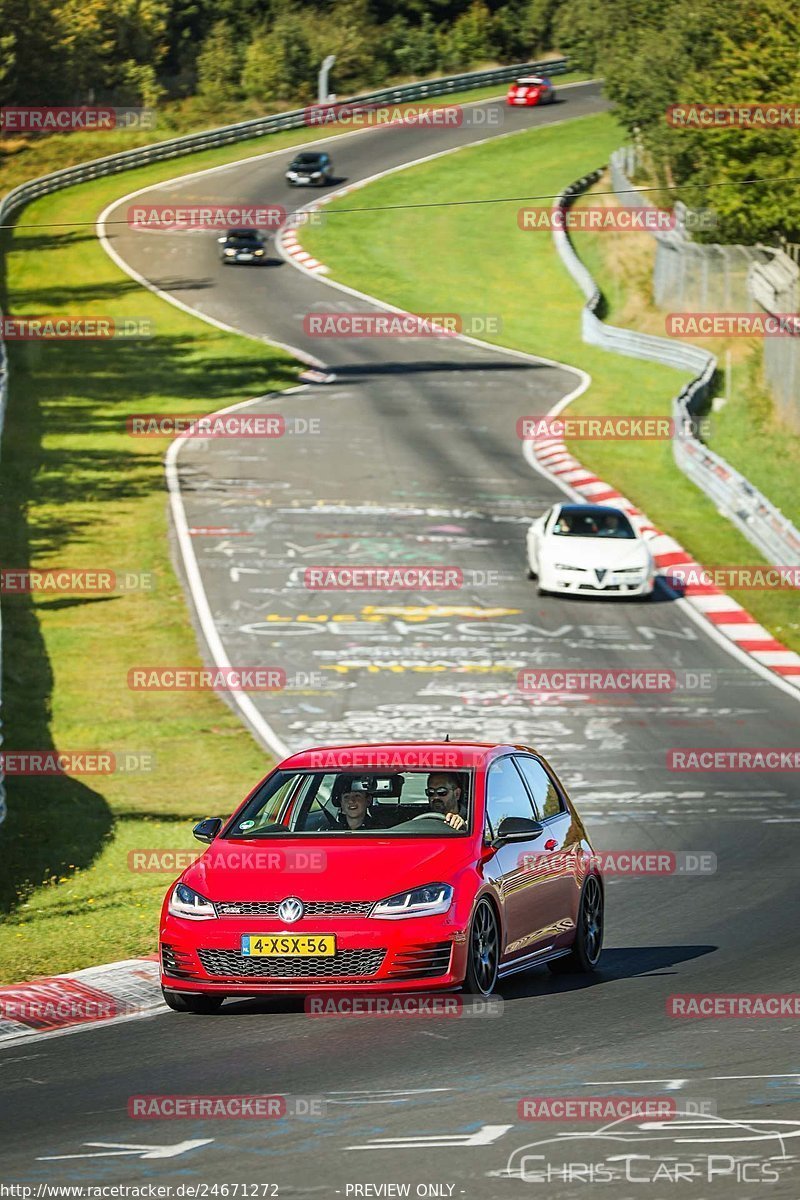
[(193, 1002), (588, 945), (531, 573), (483, 951), (540, 591)]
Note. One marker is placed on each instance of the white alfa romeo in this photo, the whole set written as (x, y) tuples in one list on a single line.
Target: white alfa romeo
[(589, 549)]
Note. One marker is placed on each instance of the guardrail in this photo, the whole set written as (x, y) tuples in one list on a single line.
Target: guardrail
[(191, 143), (142, 156), (760, 521)]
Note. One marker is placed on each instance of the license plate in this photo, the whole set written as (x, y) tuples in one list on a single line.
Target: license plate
[(288, 945)]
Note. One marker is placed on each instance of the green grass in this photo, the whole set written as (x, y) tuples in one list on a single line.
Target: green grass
[(485, 264), (77, 491)]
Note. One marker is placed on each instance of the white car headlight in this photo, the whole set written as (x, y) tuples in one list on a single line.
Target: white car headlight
[(418, 902), (230, 251), (187, 903), (567, 567)]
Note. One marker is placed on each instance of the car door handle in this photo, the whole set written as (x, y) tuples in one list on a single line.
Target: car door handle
[(550, 844)]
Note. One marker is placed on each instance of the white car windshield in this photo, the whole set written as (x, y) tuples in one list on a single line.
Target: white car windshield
[(593, 523)]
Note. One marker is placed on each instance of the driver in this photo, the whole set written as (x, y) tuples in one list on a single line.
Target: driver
[(610, 526), (444, 796)]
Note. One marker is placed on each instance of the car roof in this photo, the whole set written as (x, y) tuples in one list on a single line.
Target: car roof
[(242, 233), (592, 510), (397, 756), (531, 79)]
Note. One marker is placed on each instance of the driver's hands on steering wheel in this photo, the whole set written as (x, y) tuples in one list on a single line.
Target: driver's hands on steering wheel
[(455, 820)]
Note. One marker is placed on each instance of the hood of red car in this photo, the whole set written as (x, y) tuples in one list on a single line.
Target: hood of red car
[(367, 868)]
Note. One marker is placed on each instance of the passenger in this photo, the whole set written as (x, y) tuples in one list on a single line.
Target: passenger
[(355, 814), (444, 796)]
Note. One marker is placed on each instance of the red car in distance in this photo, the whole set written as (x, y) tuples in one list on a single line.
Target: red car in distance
[(392, 867), (530, 90)]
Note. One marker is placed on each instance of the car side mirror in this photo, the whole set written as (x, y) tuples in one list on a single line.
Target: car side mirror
[(207, 830), (517, 829), (221, 240)]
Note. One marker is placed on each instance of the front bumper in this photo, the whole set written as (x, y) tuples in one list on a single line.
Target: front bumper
[(371, 955), (585, 583)]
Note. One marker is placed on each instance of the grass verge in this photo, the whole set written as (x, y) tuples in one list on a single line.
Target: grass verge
[(486, 264), (78, 492)]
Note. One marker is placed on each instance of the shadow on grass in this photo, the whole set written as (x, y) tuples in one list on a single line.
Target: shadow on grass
[(51, 495)]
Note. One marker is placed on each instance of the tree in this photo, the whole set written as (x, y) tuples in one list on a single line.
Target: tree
[(219, 66)]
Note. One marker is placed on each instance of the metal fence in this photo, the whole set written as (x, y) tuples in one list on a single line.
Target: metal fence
[(760, 521), (128, 160), (711, 277), (694, 276)]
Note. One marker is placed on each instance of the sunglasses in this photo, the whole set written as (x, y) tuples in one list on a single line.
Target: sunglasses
[(441, 792)]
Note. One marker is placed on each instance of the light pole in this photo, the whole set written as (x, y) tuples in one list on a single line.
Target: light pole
[(322, 79)]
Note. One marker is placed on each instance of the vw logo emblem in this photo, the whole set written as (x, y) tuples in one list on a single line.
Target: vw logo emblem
[(290, 910)]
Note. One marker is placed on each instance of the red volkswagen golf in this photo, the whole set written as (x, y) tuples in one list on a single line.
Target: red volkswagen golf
[(403, 866)]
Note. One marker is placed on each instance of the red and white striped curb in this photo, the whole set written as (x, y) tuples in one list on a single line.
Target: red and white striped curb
[(721, 610), (292, 246), (93, 996)]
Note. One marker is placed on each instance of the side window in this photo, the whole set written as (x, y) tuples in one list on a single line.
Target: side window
[(545, 794), (505, 794)]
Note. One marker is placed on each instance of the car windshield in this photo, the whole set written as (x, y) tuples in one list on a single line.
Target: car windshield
[(592, 523), (307, 160), (338, 804), (243, 239), (529, 82)]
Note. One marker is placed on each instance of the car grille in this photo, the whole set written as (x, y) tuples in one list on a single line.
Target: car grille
[(315, 908), (177, 962), (342, 965), (421, 961)]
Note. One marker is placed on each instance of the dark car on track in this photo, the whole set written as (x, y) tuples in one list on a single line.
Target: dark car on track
[(242, 246), (394, 867), (311, 167)]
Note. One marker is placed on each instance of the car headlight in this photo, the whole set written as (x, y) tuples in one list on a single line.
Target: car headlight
[(316, 174), (230, 251), (418, 902), (187, 903), (258, 251), (566, 567)]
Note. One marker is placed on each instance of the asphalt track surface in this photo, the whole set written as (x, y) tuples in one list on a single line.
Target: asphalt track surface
[(417, 461)]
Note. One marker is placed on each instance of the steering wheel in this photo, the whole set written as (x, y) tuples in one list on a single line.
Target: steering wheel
[(428, 816)]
